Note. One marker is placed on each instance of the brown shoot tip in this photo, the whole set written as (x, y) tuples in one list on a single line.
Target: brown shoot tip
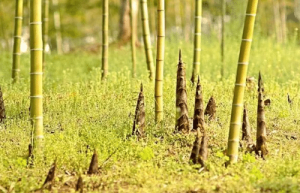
[(180, 59)]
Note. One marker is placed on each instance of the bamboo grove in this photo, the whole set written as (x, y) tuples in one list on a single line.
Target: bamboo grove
[(39, 16)]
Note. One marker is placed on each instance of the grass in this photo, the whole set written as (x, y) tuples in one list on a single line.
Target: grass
[(81, 113)]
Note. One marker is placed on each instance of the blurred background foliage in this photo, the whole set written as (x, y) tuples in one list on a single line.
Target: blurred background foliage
[(81, 20)]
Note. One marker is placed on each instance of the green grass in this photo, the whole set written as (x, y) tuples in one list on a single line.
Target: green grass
[(80, 111)]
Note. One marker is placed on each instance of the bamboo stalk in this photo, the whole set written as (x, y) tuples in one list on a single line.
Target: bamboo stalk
[(133, 40), (45, 27), (36, 72), (182, 114), (197, 40), (160, 61), (147, 39), (241, 75), (105, 39), (17, 40), (57, 27)]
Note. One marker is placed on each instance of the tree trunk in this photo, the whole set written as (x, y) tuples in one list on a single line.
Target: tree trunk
[(125, 28)]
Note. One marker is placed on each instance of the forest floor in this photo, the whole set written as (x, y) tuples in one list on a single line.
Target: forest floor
[(81, 114)]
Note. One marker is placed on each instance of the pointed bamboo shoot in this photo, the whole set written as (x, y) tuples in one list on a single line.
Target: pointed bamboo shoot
[(198, 121), (261, 122), (139, 119), (241, 75), (2, 108)]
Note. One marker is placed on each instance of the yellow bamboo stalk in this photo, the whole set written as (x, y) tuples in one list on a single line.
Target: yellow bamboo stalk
[(147, 39), (133, 39), (160, 56), (197, 40), (57, 27), (36, 72), (237, 105), (17, 40), (45, 26), (105, 39)]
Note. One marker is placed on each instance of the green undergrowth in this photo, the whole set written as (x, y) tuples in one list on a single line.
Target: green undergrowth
[(81, 114)]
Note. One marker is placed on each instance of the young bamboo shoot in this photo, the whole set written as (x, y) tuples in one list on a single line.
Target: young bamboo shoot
[(241, 75), (160, 56), (198, 121), (182, 115), (261, 134), (17, 40), (139, 119), (2, 108)]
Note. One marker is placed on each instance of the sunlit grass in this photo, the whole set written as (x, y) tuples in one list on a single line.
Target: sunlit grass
[(81, 113)]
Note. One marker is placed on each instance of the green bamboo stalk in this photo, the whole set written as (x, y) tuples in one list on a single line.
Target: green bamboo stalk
[(17, 40), (105, 39), (160, 56), (133, 39), (45, 26), (237, 105), (197, 40), (57, 27), (36, 72), (147, 39)]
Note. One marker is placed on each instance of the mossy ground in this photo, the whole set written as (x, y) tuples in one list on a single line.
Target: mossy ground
[(82, 113)]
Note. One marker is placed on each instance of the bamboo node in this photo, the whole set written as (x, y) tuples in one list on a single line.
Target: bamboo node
[(35, 23), (18, 37), (243, 63), (36, 73), (40, 137), (235, 123), (242, 85), (198, 34), (234, 140), (198, 17), (18, 17), (37, 118), (238, 105), (250, 14), (37, 96), (17, 54), (198, 49), (247, 40), (37, 49)]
